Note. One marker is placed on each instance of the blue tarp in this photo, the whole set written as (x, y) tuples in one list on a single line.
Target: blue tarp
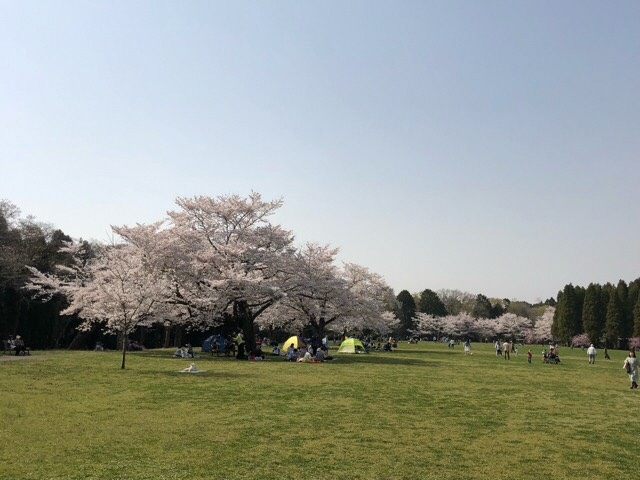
[(213, 340)]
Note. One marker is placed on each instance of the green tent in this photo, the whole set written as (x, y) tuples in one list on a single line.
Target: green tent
[(351, 345)]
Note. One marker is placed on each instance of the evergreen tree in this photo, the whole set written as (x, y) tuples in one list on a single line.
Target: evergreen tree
[(555, 324), (406, 313), (626, 310), (632, 300), (430, 303), (481, 307), (636, 319), (579, 302), (613, 321), (605, 294), (566, 320), (592, 320), (498, 308)]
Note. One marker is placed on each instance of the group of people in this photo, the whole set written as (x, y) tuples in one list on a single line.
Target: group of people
[(307, 355), (241, 348), (186, 351), (505, 349), (18, 346), (630, 363)]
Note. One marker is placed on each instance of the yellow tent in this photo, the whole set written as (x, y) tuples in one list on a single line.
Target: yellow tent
[(297, 343)]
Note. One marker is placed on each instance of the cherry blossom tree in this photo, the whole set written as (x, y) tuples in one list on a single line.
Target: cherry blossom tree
[(371, 298), (580, 340), (486, 328), (318, 294), (222, 256), (60, 284), (120, 295), (634, 342), (65, 279), (513, 326), (323, 296), (542, 327), (429, 325)]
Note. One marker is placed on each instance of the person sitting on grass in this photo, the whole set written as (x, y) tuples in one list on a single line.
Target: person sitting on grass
[(181, 352), (292, 354), (306, 358), (256, 354)]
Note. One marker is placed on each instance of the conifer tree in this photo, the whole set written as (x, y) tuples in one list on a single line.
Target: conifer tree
[(406, 312), (481, 307), (431, 304), (626, 311), (566, 321), (636, 319), (613, 321), (592, 321)]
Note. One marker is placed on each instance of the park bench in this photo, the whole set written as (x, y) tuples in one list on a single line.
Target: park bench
[(8, 349)]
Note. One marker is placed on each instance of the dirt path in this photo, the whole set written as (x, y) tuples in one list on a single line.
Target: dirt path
[(8, 358)]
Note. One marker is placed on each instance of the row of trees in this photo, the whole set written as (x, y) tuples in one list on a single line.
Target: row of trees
[(508, 326), (220, 261), (609, 315), (458, 305)]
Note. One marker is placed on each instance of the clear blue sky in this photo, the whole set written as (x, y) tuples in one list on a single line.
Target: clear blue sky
[(488, 146)]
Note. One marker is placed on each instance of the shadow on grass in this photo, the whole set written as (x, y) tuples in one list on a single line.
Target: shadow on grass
[(389, 359), (204, 373), (381, 358)]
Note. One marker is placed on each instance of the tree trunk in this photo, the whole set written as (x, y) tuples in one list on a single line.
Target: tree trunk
[(167, 336), (124, 351), (177, 341), (244, 319), (121, 340)]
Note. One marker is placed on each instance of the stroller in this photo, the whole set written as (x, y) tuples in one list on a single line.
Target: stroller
[(551, 358)]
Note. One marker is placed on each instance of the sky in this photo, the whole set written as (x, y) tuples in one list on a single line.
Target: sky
[(485, 146)]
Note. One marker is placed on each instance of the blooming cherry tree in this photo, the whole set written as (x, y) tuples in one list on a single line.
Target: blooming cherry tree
[(121, 294), (221, 255), (513, 326), (541, 330)]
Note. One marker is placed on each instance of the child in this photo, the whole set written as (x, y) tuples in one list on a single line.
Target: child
[(529, 355)]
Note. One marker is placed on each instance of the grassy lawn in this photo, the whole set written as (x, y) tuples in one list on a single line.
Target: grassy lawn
[(424, 411)]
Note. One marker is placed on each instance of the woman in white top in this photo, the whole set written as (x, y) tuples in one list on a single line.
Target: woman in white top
[(631, 366)]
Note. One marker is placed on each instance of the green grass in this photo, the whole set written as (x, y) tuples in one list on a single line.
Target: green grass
[(424, 411)]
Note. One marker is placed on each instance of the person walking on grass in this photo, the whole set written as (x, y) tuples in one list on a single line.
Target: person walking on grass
[(506, 347), (529, 356), (631, 366), (591, 353)]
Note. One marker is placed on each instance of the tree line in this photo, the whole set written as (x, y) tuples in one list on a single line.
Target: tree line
[(221, 263), (464, 308), (608, 315)]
